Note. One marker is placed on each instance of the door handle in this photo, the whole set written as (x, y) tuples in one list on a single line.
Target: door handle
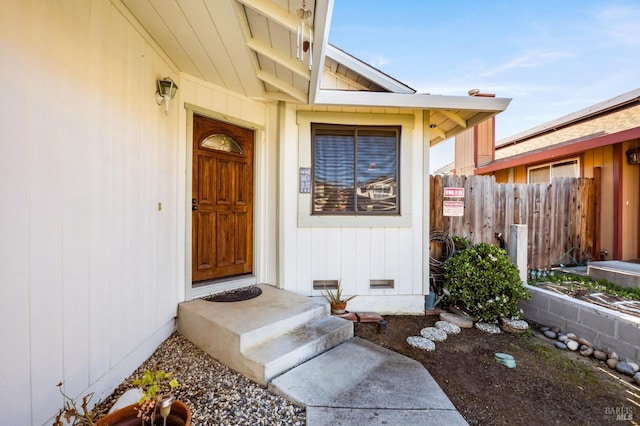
[(194, 208)]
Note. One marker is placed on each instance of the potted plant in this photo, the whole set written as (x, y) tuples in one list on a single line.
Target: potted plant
[(157, 393), (157, 405), (337, 301), (82, 416)]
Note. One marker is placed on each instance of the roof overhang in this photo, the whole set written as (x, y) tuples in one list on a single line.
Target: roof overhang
[(250, 47), (559, 151), (450, 115)]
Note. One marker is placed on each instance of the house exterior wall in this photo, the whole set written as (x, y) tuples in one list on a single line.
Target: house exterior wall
[(89, 222), (354, 250), (630, 205), (332, 81), (464, 153), (474, 148), (96, 202), (485, 138)]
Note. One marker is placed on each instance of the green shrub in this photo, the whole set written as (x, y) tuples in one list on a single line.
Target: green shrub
[(461, 243), (483, 281)]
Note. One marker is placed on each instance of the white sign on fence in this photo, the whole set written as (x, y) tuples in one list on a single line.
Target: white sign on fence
[(453, 208)]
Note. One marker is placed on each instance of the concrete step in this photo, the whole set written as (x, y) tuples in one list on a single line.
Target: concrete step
[(278, 355), (253, 336), (624, 274)]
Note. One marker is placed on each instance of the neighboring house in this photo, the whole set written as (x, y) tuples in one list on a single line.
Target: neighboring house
[(113, 212), (601, 141)]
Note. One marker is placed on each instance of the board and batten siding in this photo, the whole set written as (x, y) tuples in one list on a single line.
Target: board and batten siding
[(354, 250), (90, 271)]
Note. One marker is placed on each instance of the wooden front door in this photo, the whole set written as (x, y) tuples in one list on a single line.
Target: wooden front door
[(222, 210)]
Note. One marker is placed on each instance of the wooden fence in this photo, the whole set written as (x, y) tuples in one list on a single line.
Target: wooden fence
[(561, 216)]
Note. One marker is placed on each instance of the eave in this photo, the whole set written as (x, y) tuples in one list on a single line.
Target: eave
[(558, 151)]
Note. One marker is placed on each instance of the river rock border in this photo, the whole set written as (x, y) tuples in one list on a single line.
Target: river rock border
[(571, 342), (453, 324)]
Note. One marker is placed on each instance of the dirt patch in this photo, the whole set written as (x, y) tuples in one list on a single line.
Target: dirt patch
[(548, 386)]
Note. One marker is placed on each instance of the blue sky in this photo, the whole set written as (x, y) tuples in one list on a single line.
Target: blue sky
[(552, 57)]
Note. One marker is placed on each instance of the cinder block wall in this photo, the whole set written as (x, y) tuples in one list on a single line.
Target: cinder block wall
[(605, 328)]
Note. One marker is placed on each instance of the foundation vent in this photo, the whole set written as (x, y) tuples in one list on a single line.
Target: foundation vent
[(381, 284), (325, 284)]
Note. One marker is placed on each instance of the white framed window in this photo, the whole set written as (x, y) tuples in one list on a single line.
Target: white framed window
[(545, 172), (355, 170), (396, 195)]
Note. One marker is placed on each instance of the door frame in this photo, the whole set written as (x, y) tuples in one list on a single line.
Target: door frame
[(230, 283)]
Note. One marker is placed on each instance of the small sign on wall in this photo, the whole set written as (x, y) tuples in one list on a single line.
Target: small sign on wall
[(305, 180), (453, 208)]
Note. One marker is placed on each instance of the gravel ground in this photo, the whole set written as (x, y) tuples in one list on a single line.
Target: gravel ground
[(215, 394)]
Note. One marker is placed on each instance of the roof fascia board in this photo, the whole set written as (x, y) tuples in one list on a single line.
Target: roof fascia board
[(559, 151), (408, 100), (322, 23), (367, 71)]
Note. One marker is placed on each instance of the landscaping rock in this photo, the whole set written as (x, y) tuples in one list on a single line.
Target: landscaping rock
[(586, 350), (514, 325), (600, 355), (421, 343), (612, 362), (550, 334), (585, 342), (560, 345), (572, 345), (625, 368), (457, 320), (448, 327), (636, 378), (433, 333), (562, 338), (556, 329), (488, 328), (613, 355), (572, 336), (544, 328), (635, 367)]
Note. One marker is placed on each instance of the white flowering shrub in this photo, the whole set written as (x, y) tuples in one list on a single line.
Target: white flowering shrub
[(484, 282)]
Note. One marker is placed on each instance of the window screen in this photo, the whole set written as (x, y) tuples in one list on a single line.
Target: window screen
[(355, 170)]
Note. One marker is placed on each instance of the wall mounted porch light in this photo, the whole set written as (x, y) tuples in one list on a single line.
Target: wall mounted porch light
[(633, 156), (166, 91)]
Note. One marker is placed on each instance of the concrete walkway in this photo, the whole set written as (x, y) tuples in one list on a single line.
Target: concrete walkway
[(360, 383), (292, 344)]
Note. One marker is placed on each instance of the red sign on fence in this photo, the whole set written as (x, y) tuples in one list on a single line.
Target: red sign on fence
[(454, 192)]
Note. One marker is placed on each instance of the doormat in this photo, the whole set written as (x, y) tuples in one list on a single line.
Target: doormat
[(237, 295)]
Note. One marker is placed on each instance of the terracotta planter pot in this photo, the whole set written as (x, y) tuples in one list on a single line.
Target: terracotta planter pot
[(128, 416), (338, 308)]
